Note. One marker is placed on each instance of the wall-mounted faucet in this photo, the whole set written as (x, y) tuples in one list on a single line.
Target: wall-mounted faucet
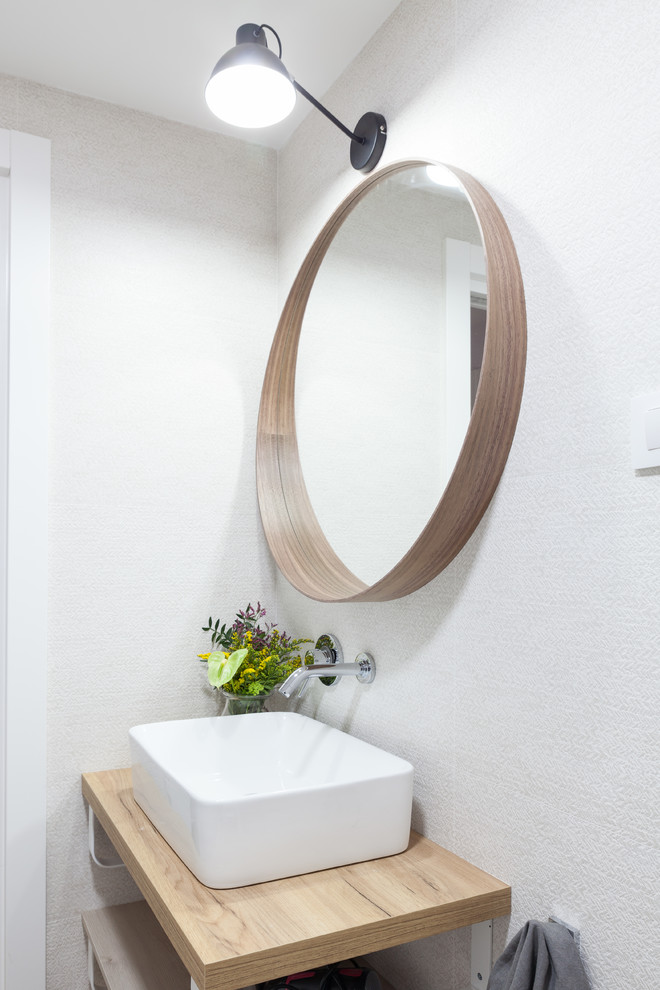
[(331, 666)]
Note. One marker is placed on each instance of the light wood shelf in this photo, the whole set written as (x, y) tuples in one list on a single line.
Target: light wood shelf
[(229, 939)]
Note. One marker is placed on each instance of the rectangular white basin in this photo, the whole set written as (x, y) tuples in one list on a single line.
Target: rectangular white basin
[(250, 798)]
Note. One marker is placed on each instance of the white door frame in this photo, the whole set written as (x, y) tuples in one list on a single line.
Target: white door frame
[(465, 273), (24, 312)]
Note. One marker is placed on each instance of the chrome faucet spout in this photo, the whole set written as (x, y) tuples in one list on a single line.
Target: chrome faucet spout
[(364, 669)]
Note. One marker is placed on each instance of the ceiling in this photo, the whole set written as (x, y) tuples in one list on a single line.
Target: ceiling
[(157, 55)]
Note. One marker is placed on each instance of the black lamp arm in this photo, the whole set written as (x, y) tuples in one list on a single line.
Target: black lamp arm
[(326, 113), (257, 31)]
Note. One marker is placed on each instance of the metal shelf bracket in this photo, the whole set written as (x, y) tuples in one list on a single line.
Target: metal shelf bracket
[(481, 961), (106, 864)]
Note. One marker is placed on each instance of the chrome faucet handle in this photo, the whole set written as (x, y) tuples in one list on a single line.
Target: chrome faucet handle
[(330, 648), (367, 667)]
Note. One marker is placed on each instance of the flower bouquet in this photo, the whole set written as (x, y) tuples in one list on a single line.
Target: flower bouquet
[(248, 660)]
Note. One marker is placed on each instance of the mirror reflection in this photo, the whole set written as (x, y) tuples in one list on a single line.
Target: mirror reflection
[(388, 364)]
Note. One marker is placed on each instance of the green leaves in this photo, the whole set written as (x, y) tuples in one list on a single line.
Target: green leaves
[(248, 658), (223, 666), (219, 637)]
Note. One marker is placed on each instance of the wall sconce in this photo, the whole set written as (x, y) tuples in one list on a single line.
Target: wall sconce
[(250, 87)]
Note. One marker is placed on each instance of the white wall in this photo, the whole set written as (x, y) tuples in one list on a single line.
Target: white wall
[(163, 275), (523, 682)]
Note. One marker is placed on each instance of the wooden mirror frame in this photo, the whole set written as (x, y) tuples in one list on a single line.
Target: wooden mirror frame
[(294, 535)]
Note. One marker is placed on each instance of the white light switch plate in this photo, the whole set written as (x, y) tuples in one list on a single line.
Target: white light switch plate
[(653, 429), (645, 430)]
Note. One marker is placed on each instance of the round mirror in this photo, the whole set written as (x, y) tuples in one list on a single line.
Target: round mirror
[(393, 386), (388, 363)]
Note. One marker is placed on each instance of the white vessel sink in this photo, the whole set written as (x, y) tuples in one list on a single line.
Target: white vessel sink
[(250, 798)]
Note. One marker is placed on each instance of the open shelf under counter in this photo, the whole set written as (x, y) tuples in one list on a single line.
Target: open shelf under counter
[(131, 950), (229, 939)]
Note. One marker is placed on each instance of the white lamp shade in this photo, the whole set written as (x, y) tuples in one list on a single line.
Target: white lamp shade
[(246, 92)]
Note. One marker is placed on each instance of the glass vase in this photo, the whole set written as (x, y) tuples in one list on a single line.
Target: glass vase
[(244, 704)]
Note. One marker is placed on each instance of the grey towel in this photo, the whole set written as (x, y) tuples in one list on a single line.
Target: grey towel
[(542, 956)]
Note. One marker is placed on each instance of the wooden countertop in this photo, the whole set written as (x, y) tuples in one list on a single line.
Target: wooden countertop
[(228, 939)]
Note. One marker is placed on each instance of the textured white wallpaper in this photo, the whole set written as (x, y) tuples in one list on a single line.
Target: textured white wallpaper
[(163, 304), (523, 683)]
